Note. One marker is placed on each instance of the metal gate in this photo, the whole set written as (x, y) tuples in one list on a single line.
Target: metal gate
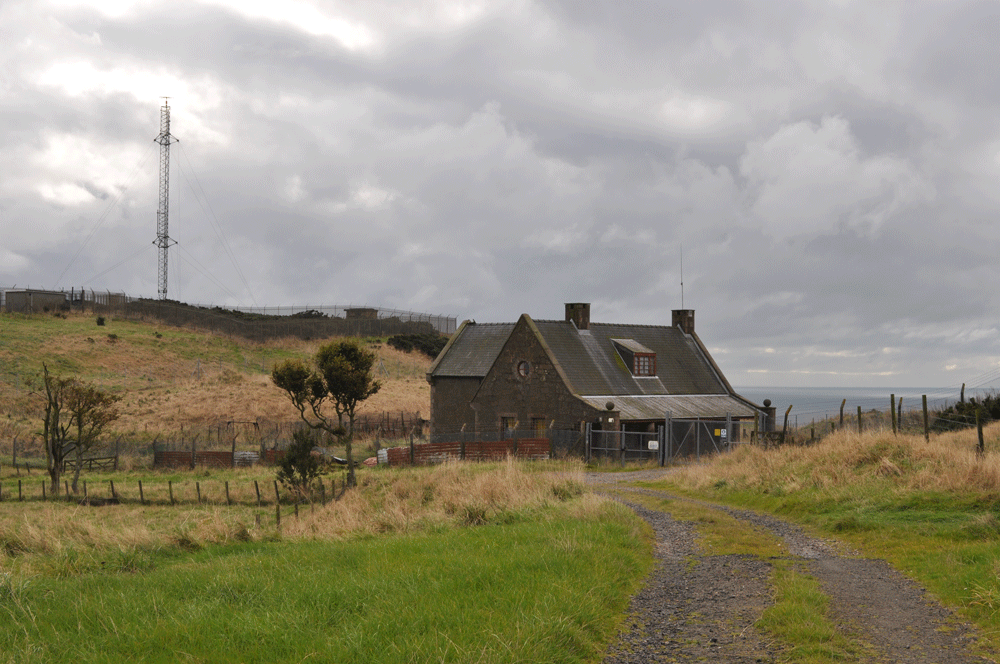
[(625, 446), (675, 439)]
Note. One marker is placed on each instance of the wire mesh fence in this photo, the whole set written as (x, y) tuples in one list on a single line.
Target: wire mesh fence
[(258, 323)]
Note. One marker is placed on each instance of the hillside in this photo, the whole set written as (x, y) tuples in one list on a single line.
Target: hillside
[(173, 380)]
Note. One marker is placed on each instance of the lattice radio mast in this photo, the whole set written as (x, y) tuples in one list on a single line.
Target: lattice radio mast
[(163, 240)]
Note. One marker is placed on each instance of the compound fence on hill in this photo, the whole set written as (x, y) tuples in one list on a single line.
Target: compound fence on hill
[(257, 324)]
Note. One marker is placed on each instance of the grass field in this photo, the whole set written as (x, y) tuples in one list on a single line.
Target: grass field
[(462, 562), (174, 382)]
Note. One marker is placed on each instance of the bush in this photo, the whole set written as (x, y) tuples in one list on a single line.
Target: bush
[(430, 344), (299, 468), (963, 414)]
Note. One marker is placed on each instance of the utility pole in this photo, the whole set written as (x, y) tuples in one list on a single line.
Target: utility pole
[(163, 240)]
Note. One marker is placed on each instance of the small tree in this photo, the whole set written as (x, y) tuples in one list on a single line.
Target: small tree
[(343, 377), (91, 410), (299, 468), (72, 407)]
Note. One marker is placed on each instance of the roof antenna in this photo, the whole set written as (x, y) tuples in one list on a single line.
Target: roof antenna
[(682, 276)]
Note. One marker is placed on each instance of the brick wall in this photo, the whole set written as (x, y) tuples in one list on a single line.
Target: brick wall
[(430, 453)]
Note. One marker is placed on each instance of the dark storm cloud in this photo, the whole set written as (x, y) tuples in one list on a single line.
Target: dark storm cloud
[(827, 170)]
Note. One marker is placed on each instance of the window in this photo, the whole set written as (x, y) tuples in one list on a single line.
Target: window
[(538, 427), (645, 364), (523, 368), (507, 427)]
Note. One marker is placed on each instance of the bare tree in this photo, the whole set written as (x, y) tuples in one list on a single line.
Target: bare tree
[(72, 406)]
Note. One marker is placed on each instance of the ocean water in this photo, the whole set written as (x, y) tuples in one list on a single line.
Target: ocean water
[(817, 403)]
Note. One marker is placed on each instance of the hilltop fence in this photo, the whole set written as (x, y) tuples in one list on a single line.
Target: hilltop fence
[(256, 324)]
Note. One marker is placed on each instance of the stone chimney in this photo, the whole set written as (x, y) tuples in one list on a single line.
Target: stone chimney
[(579, 313), (684, 319)]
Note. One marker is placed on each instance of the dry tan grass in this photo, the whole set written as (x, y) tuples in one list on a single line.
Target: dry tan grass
[(386, 501), (185, 381), (947, 462)]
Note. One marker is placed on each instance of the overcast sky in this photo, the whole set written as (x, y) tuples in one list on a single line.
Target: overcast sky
[(828, 171)]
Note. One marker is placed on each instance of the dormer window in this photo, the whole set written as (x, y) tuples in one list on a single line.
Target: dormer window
[(644, 364), (639, 360)]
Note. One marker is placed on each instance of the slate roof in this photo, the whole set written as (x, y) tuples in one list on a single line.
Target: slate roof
[(593, 367), (680, 406), (472, 350)]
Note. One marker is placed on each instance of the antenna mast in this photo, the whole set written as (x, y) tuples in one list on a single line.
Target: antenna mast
[(682, 276), (163, 240)]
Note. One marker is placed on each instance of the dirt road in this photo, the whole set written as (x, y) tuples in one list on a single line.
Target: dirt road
[(698, 608)]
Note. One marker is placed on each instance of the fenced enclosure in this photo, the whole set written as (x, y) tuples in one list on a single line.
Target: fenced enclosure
[(256, 324), (564, 442), (674, 439), (441, 452)]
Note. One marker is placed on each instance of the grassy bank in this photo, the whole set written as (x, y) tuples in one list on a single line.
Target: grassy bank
[(929, 507), (176, 383), (462, 562)]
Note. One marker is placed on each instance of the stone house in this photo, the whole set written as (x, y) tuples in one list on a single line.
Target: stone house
[(540, 375)]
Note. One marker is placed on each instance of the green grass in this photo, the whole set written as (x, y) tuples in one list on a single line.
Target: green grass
[(549, 590), (798, 618)]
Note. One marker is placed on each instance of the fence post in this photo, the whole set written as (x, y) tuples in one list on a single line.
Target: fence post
[(228, 502), (587, 442), (197, 488), (66, 484), (43, 481), (784, 427), (842, 404), (256, 487), (981, 448), (113, 494), (142, 498), (20, 496), (892, 412), (859, 420), (170, 487), (277, 496), (412, 451), (927, 430)]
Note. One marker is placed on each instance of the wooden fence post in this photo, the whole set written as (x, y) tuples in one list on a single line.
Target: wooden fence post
[(784, 427), (113, 494), (170, 486), (197, 488), (412, 451), (927, 430), (981, 448), (142, 498), (842, 404), (228, 502), (20, 496), (892, 412), (859, 419), (256, 487), (277, 496), (43, 481)]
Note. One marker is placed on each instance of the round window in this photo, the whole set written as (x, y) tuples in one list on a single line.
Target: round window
[(523, 368)]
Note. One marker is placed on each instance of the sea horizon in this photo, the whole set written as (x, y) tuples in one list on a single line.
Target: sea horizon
[(818, 403)]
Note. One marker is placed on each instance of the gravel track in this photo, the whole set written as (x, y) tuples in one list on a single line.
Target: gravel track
[(699, 608)]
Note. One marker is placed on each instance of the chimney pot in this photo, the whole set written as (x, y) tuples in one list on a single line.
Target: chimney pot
[(578, 313), (684, 319)]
